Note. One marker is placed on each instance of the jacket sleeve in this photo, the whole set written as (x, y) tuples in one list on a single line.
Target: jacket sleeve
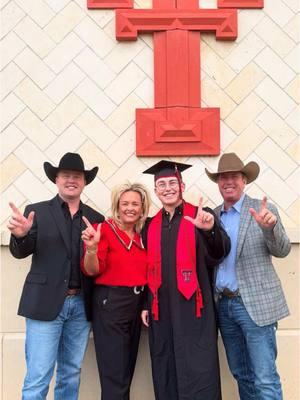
[(25, 246), (276, 239), (217, 242)]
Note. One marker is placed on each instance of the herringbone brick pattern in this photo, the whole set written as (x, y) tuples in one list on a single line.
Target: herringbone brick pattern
[(68, 85)]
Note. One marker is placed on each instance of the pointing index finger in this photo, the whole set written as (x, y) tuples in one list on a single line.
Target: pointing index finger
[(200, 204), (14, 208), (87, 222), (264, 203)]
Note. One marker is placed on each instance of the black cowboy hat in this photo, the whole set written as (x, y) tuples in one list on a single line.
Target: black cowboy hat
[(70, 162)]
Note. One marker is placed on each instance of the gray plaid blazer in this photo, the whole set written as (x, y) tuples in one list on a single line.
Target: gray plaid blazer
[(258, 282)]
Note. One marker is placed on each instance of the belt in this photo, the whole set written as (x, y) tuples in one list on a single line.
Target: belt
[(73, 291), (135, 289), (228, 293)]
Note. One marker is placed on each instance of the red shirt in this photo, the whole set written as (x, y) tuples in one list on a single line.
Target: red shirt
[(122, 261)]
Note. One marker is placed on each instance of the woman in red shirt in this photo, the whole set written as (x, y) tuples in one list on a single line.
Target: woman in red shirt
[(115, 255)]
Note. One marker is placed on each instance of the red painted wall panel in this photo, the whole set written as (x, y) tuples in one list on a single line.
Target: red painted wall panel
[(109, 3), (240, 3), (178, 125)]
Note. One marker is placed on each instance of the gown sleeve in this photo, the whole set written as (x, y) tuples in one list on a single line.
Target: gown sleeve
[(217, 242)]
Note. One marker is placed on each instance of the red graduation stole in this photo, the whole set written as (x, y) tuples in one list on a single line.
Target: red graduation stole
[(187, 280)]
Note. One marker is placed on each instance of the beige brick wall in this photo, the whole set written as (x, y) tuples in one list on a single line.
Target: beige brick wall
[(68, 85)]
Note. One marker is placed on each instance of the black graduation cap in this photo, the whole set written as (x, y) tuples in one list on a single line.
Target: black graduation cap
[(165, 168)]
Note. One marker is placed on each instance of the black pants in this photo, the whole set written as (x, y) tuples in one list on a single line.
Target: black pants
[(117, 328)]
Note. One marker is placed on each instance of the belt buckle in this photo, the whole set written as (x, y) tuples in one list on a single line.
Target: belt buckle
[(138, 289), (229, 293), (73, 292)]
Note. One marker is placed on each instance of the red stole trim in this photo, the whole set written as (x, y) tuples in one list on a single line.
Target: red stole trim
[(187, 280)]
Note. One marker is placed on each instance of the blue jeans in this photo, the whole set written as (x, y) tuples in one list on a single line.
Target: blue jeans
[(251, 351), (62, 341)]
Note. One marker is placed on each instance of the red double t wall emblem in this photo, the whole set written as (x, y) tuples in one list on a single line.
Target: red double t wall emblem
[(177, 125)]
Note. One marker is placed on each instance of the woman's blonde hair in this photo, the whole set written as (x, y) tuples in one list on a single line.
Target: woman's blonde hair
[(130, 187)]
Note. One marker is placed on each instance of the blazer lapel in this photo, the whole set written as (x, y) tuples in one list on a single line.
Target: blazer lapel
[(59, 218), (217, 210), (245, 219)]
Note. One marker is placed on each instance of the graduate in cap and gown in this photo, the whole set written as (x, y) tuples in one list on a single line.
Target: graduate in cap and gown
[(183, 244)]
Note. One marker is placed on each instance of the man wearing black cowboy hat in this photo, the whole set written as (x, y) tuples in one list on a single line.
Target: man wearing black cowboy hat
[(250, 299), (56, 296)]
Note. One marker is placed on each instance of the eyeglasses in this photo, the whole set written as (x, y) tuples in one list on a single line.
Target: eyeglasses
[(162, 185)]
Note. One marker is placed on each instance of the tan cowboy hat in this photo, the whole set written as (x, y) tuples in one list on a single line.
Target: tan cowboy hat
[(230, 162)]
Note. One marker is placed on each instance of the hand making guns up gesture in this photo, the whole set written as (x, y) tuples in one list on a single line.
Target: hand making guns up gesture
[(19, 225), (90, 235), (265, 218), (204, 220)]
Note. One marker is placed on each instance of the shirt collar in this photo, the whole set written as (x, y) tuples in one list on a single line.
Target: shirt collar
[(178, 210), (123, 237), (64, 204), (236, 206)]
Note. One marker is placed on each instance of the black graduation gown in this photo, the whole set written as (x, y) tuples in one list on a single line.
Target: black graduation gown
[(183, 348)]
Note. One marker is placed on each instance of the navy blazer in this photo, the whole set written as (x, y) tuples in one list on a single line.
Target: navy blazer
[(49, 244)]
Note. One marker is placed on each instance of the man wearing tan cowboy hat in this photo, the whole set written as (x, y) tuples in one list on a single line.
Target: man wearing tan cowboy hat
[(56, 297), (249, 292)]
